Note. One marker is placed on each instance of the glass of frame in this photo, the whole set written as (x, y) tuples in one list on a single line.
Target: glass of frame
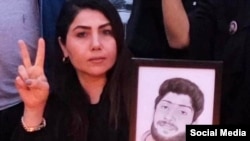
[(150, 111)]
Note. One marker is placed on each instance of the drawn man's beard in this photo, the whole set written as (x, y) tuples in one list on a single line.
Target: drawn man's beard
[(158, 137)]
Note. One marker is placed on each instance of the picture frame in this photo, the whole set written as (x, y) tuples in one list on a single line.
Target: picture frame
[(150, 75)]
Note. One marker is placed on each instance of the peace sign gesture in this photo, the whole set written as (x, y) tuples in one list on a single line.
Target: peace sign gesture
[(31, 81)]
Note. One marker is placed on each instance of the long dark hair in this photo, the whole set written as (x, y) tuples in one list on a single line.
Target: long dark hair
[(118, 86)]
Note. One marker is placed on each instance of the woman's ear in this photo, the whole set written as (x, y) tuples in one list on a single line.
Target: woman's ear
[(64, 50)]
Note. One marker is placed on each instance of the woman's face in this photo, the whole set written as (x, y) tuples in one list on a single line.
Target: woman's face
[(90, 44)]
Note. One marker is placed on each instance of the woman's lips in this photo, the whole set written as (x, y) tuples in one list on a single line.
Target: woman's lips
[(97, 59)]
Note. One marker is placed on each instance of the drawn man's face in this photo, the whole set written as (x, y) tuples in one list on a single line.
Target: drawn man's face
[(172, 114)]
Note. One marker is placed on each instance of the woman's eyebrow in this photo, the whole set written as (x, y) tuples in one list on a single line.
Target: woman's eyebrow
[(89, 27), (81, 27), (104, 25)]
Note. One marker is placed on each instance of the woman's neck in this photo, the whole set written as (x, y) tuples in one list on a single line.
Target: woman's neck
[(93, 85)]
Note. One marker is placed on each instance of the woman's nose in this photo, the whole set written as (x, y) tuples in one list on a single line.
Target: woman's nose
[(96, 44)]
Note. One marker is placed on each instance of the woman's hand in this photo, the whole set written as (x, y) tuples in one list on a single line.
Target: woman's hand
[(32, 83)]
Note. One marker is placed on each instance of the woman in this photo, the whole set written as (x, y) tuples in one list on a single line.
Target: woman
[(91, 97)]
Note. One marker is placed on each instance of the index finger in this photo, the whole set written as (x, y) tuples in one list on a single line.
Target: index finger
[(40, 54), (24, 53)]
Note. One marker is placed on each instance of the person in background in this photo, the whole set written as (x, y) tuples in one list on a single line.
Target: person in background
[(218, 30), (49, 11), (18, 20), (146, 37), (118, 3), (28, 21), (180, 102), (41, 15), (87, 102)]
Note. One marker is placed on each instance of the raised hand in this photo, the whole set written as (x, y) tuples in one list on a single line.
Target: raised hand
[(31, 81)]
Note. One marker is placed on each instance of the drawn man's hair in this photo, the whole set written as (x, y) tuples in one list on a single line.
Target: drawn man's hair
[(185, 87)]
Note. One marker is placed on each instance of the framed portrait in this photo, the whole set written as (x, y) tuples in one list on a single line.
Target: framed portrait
[(187, 89)]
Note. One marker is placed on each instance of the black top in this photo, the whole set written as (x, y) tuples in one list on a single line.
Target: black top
[(99, 128), (57, 115)]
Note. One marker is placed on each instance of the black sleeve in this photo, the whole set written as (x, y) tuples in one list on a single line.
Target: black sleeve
[(56, 117)]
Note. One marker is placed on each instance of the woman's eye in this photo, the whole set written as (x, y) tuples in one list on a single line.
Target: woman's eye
[(81, 34), (107, 32)]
